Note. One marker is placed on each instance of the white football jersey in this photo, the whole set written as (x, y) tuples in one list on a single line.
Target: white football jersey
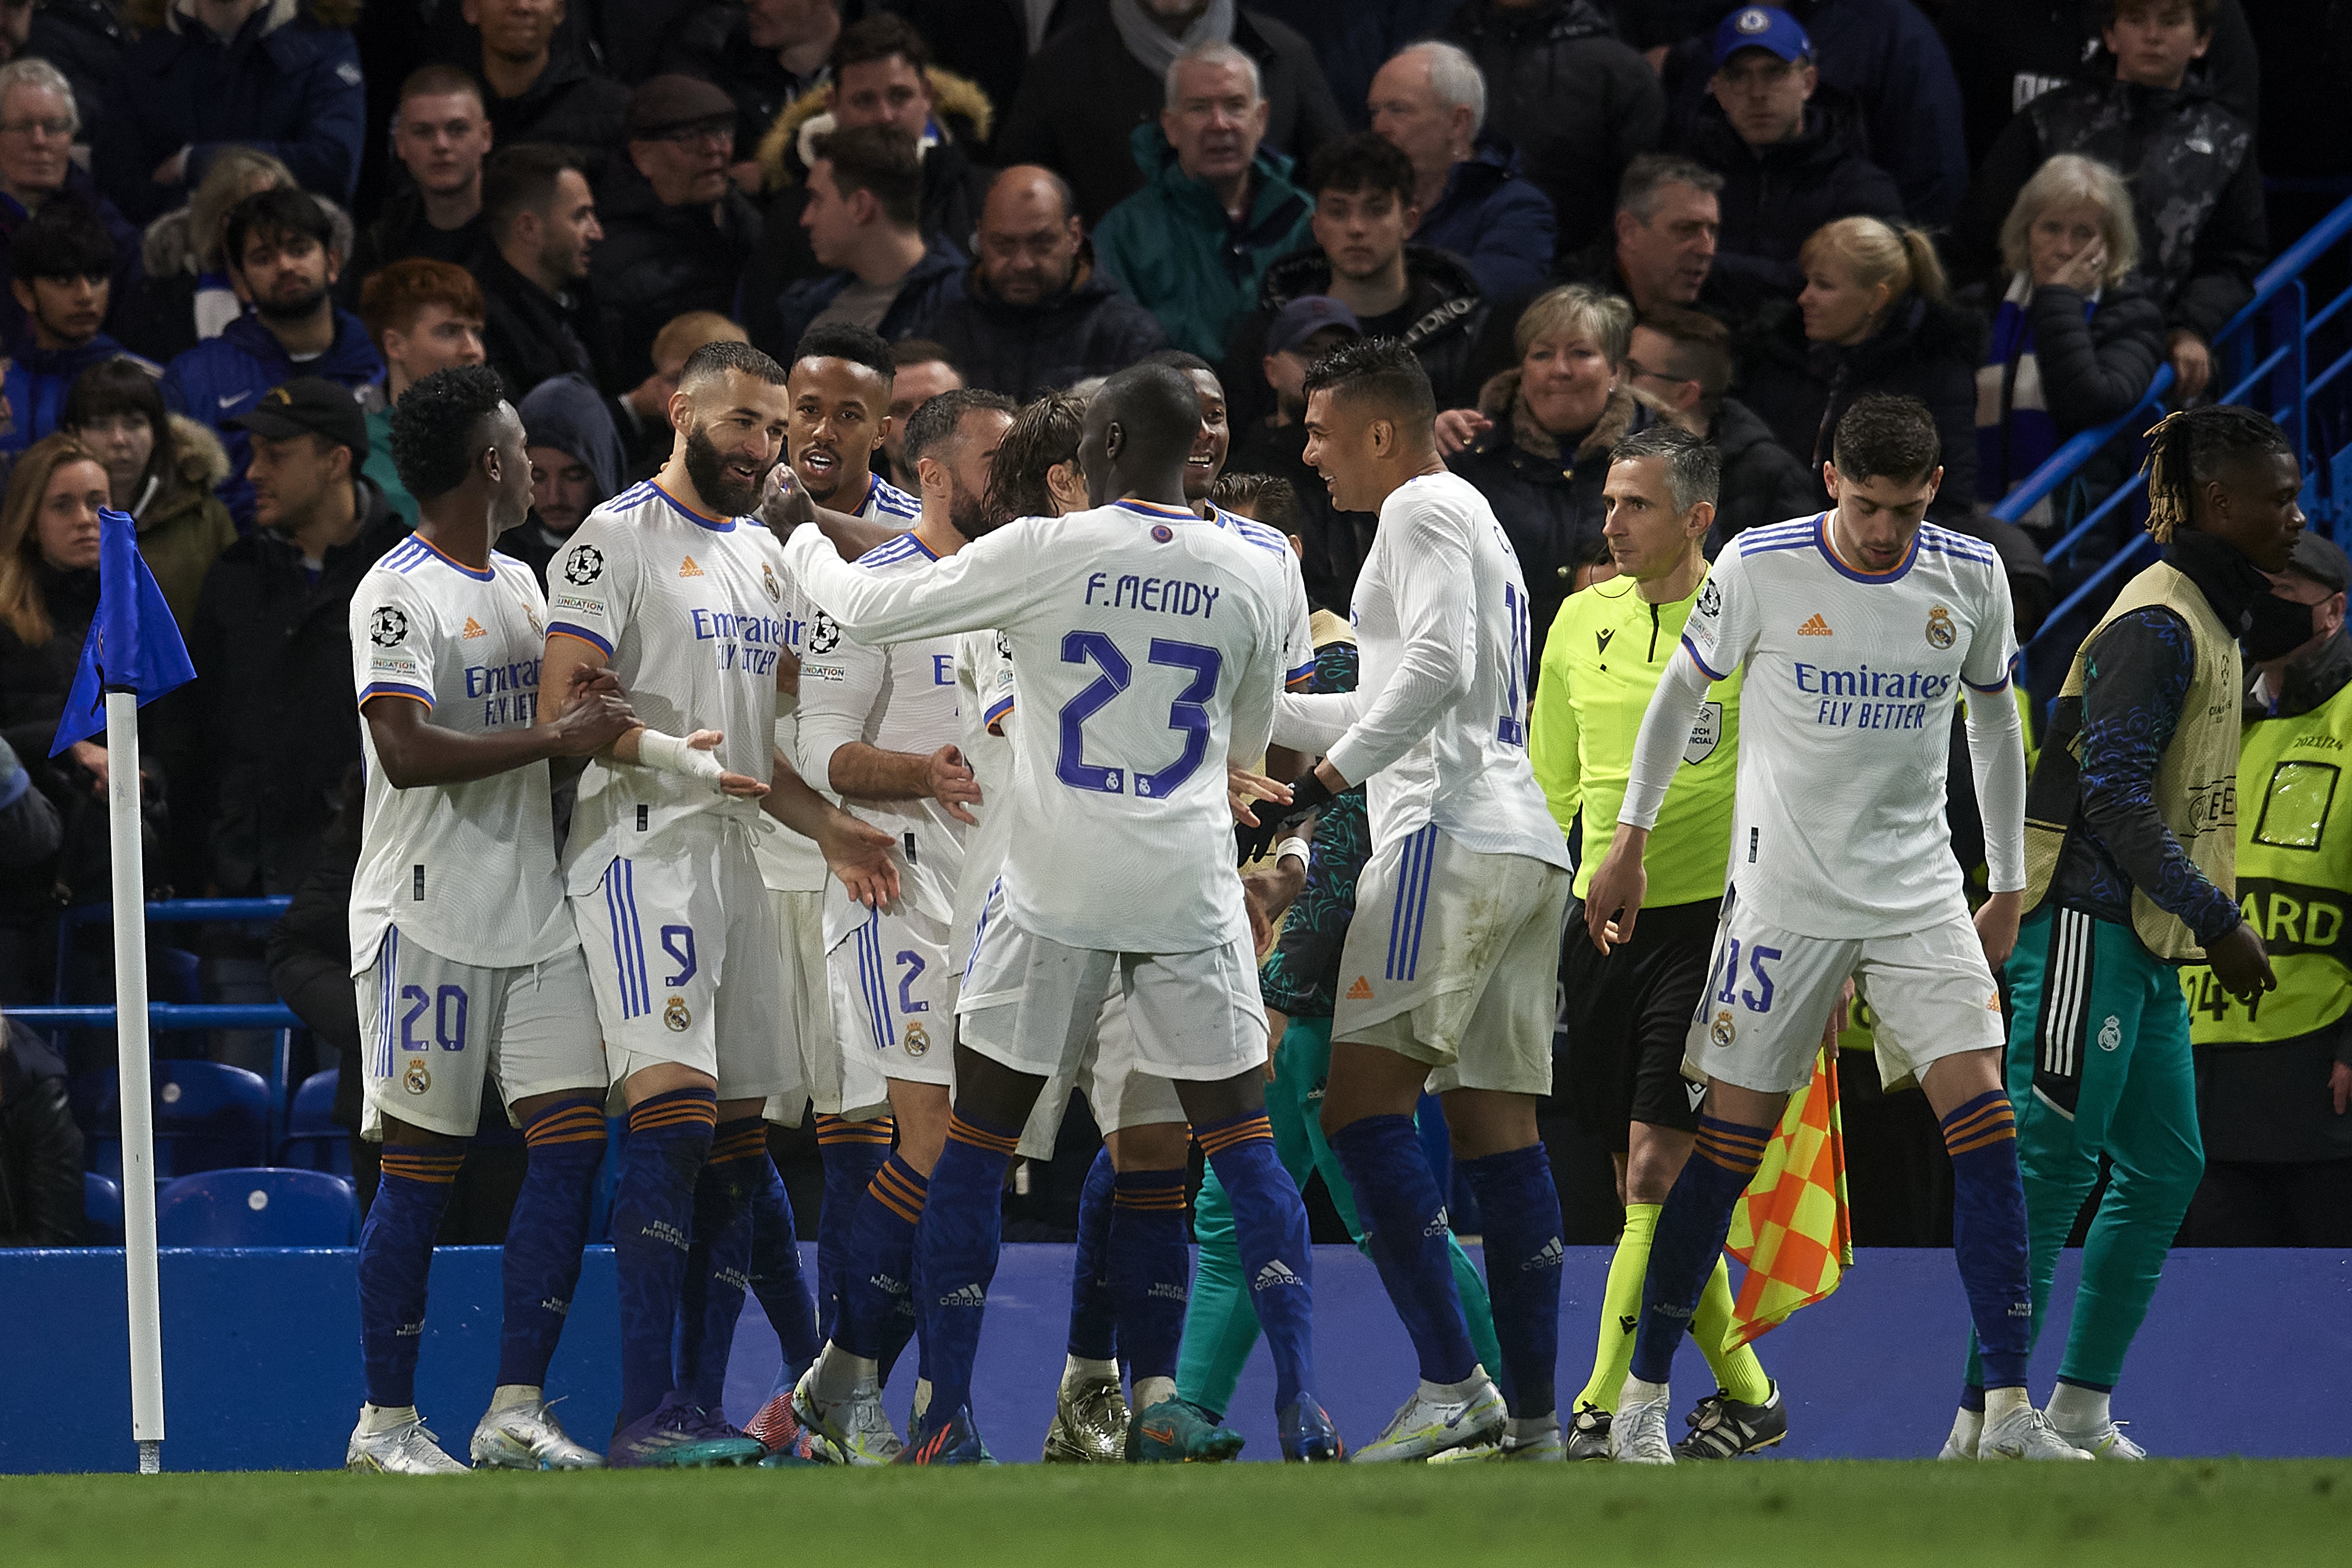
[(1845, 719), (689, 610), (898, 698), (984, 707), (465, 870), (1437, 726), (1149, 645)]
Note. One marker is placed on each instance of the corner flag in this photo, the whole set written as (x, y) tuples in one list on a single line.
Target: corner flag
[(133, 644)]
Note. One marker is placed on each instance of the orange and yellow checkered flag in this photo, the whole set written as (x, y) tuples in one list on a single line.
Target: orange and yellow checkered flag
[(1791, 1228)]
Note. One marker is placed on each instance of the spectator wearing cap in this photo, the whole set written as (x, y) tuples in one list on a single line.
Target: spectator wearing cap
[(1662, 250), (2275, 1084), (60, 263), (1428, 300), (279, 246), (1095, 92), (1678, 365), (1430, 101), (441, 134), (540, 89), (40, 123), (922, 370), (577, 462), (678, 233), (40, 1144), (281, 77), (864, 222), (1033, 312), (1791, 153), (422, 316), (766, 55), (271, 726), (1193, 245), (1335, 541)]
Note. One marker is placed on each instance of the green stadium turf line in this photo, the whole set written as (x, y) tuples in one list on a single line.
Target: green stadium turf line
[(1753, 1515)]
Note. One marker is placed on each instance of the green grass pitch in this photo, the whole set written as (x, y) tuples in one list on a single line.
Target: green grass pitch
[(1750, 1515)]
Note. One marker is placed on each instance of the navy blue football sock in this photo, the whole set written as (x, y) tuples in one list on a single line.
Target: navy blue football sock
[(1689, 1238), (540, 1268), (776, 1276), (653, 1222), (719, 1258), (1094, 1314), (1988, 1235), (1520, 1210), (955, 1254), (1270, 1231), (852, 1153), (878, 1296), (1407, 1232), (395, 1256), (1150, 1268)]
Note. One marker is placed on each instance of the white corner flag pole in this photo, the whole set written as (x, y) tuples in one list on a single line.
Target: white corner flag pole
[(136, 1091)]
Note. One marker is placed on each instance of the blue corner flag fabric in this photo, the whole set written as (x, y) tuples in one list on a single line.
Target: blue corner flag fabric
[(133, 645)]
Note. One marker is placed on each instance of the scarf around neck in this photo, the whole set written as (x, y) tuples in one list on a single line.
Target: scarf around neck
[(1149, 42)]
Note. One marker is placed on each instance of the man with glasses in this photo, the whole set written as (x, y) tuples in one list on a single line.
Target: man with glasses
[(1677, 365), (39, 123)]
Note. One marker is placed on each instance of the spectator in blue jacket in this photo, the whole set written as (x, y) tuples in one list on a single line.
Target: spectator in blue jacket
[(1429, 103), (59, 264), (279, 76), (279, 245), (39, 123), (864, 221)]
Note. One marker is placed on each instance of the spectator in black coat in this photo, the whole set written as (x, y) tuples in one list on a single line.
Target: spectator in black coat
[(863, 221), (541, 89), (85, 39), (1669, 220), (32, 831), (2075, 338), (1335, 541), (766, 55), (1031, 314), (40, 1146), (39, 121), (1088, 89), (1873, 318), (1431, 101), (1573, 98), (1678, 365), (2196, 189), (576, 464), (1789, 152), (441, 134)]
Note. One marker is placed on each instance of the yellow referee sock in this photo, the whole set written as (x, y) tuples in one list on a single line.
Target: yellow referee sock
[(1737, 1371), (1620, 1308)]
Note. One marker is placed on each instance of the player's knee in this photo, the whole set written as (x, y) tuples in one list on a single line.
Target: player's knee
[(1161, 1146)]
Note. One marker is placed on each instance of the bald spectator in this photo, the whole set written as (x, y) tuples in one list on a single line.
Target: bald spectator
[(541, 89), (39, 123), (1431, 102), (1194, 244), (924, 370), (1033, 312), (1662, 252), (1577, 102), (441, 134), (766, 55), (864, 224), (1092, 92)]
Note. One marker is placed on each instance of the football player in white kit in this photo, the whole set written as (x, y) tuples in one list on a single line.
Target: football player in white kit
[(1151, 644), (462, 946), (670, 588), (1857, 630), (1447, 969)]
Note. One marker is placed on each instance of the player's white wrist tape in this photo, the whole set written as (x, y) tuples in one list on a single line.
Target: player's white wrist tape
[(1298, 847), (673, 755)]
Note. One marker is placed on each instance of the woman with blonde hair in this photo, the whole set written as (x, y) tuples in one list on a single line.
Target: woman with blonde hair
[(2077, 335), (1875, 317)]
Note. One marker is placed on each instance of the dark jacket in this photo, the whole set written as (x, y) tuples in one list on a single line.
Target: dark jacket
[(183, 525), (309, 957), (1336, 541), (78, 186), (223, 377), (919, 292), (273, 723), (1886, 55), (1442, 317), (2197, 193), (530, 334), (1575, 101), (85, 39), (1084, 95), (289, 85), (658, 261), (1774, 198), (1088, 329), (40, 1147), (569, 104), (1763, 482), (1353, 40), (1548, 501), (400, 232), (986, 42), (33, 394), (1498, 223), (715, 43), (1927, 351)]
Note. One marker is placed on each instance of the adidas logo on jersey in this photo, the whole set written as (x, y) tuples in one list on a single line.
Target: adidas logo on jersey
[(473, 629), (1361, 991), (686, 568), (1274, 1273), (969, 1296), (1439, 1225), (1551, 1255), (1816, 628)]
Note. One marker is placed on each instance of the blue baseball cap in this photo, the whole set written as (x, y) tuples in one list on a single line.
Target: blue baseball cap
[(1306, 316), (1763, 28)]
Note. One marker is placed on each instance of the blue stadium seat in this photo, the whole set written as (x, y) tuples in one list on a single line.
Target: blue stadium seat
[(313, 1142), (208, 1117), (101, 1210), (256, 1207)]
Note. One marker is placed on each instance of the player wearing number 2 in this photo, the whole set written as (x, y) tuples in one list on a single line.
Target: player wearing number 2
[(1151, 644)]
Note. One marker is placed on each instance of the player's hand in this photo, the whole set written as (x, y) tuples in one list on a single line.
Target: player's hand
[(2240, 963), (2192, 363), (742, 786), (784, 505), (1997, 928), (1457, 427), (593, 677), (1254, 830), (859, 854), (953, 784), (1281, 882), (2339, 1086), (1613, 902), (1840, 1016), (1261, 916), (594, 721)]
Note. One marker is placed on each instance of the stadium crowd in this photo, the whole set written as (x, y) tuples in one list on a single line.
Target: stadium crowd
[(234, 234)]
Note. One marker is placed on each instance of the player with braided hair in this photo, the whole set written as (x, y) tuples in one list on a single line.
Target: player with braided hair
[(2131, 840)]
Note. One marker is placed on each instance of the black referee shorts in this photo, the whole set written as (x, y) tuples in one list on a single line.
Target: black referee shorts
[(1628, 1016)]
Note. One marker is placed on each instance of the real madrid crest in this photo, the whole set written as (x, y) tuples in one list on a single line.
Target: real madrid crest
[(768, 581), (416, 1080), (1941, 633), (1723, 1033), (919, 1040), (676, 1015)]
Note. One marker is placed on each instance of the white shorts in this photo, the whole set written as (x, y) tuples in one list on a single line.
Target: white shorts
[(800, 930), (436, 1027), (1769, 993), (658, 935), (1452, 960), (1033, 1004), (894, 994), (1119, 1094)]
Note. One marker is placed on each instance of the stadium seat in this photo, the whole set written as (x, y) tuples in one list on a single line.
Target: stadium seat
[(101, 1210), (313, 1142), (207, 1118), (256, 1207)]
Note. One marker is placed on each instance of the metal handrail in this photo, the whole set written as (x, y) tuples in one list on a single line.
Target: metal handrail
[(161, 1015)]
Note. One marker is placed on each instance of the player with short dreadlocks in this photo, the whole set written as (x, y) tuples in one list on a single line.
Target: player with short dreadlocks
[(2131, 839)]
